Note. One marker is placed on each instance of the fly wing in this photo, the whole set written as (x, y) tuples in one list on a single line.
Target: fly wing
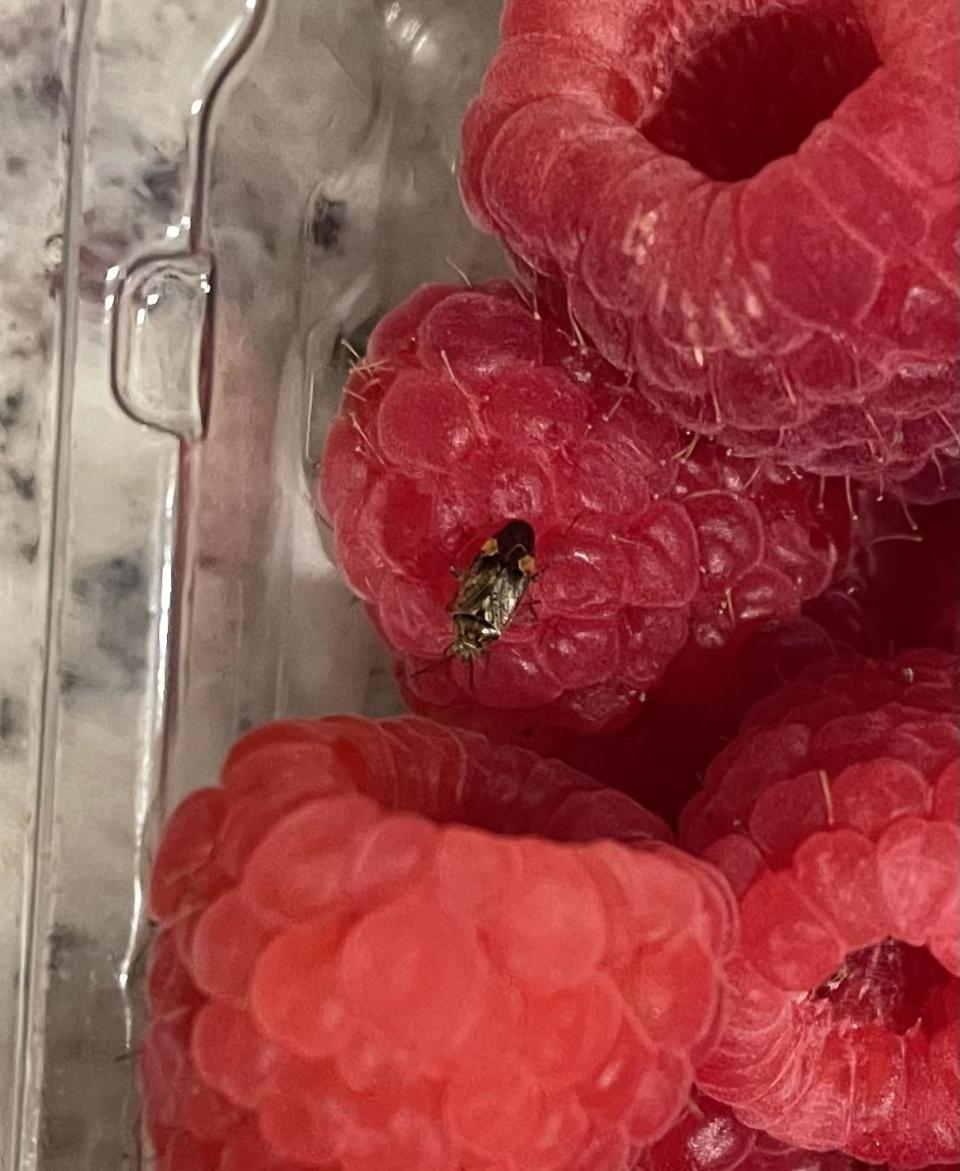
[(476, 588), (505, 595)]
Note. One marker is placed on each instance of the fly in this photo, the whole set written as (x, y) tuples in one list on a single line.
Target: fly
[(491, 590)]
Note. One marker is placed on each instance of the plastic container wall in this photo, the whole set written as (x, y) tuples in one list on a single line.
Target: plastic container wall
[(251, 185)]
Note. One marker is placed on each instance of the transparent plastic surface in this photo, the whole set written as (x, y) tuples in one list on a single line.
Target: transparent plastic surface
[(35, 41), (251, 186)]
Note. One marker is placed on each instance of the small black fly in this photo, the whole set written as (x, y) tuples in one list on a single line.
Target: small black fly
[(491, 590)]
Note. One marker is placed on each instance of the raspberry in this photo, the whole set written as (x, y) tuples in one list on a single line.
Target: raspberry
[(655, 554), (752, 206), (834, 817), (365, 960)]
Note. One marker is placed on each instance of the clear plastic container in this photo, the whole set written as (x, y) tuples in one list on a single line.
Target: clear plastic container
[(239, 189)]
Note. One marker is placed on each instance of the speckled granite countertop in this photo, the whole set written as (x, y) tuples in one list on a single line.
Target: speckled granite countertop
[(34, 53), (35, 43)]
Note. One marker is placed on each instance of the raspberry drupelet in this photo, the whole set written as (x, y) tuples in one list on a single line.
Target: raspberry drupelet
[(708, 1136), (834, 817), (654, 554), (371, 955)]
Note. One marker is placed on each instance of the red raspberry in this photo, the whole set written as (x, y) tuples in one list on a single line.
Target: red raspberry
[(654, 553), (834, 817), (350, 973), (752, 205)]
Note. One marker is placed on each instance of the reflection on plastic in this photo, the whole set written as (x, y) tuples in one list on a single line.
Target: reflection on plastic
[(162, 328)]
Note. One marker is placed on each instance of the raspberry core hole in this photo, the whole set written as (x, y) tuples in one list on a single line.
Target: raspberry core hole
[(751, 91), (889, 983)]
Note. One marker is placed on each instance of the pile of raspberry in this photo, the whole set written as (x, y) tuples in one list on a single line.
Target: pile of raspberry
[(394, 944), (663, 534)]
